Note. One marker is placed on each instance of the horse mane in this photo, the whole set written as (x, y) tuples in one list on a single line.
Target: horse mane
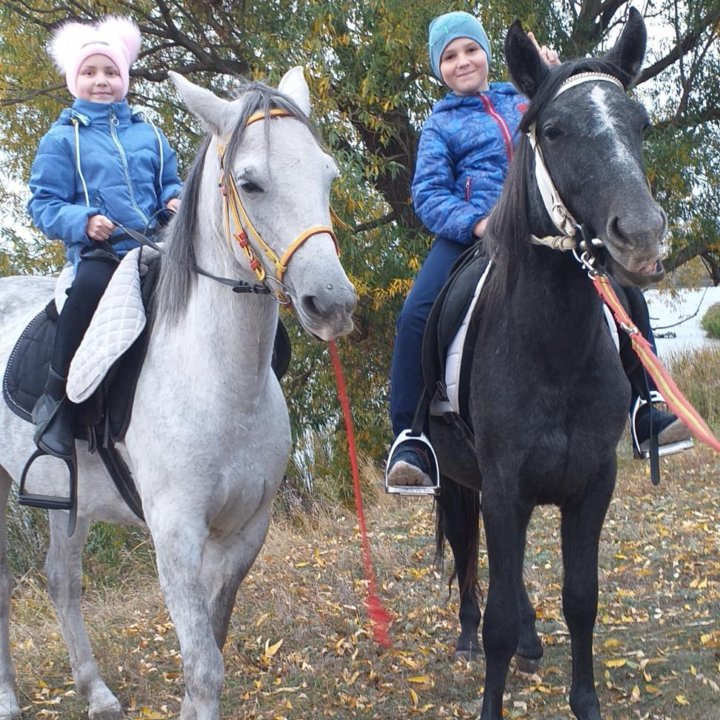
[(177, 274), (507, 234)]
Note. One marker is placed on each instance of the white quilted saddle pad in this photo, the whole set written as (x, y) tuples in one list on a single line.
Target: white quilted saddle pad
[(116, 324)]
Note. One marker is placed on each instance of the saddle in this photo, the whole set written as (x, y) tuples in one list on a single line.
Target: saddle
[(103, 418), (448, 341)]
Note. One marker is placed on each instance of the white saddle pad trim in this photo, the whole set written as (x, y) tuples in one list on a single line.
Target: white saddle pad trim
[(453, 364), (116, 324)]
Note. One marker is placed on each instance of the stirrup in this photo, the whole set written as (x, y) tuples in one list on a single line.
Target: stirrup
[(668, 448), (434, 471), (53, 502)]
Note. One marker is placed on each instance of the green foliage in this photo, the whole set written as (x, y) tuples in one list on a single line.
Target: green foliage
[(711, 321)]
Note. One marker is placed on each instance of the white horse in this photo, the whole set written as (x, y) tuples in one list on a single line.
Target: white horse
[(209, 438)]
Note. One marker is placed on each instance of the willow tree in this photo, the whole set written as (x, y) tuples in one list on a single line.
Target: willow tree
[(366, 63)]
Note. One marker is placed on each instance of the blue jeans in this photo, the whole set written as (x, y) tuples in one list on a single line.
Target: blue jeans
[(406, 381)]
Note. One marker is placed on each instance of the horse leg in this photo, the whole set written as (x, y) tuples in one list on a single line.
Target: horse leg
[(530, 650), (179, 548), (581, 527), (459, 522), (9, 708), (505, 530), (63, 567), (225, 565)]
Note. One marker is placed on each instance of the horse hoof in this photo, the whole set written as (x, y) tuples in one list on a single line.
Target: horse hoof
[(528, 666)]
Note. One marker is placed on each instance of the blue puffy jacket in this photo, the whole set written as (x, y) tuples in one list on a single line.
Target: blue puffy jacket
[(100, 159), (465, 149)]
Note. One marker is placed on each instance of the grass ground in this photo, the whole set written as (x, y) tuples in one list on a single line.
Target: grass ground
[(300, 644)]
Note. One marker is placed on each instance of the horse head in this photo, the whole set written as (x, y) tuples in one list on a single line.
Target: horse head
[(270, 198), (588, 134)]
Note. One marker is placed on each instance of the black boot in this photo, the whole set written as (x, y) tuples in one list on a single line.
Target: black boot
[(54, 416)]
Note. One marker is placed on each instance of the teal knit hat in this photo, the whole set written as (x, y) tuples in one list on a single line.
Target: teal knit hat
[(451, 26)]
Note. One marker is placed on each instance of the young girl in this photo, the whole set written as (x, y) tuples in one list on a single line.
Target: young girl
[(99, 169), (463, 158)]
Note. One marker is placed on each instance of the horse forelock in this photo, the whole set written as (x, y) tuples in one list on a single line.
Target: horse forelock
[(549, 88), (259, 98), (177, 276)]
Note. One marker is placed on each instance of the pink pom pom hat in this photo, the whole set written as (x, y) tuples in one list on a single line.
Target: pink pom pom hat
[(117, 38)]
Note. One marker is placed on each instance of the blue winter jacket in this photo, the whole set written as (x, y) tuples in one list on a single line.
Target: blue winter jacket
[(465, 149), (102, 159)]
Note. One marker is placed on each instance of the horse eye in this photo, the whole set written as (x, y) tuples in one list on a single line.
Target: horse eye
[(249, 186), (552, 132)]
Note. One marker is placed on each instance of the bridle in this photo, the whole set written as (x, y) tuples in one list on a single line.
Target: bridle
[(247, 236), (571, 235)]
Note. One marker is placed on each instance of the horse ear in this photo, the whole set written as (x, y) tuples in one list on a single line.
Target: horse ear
[(211, 110), (527, 70), (294, 86), (629, 51)]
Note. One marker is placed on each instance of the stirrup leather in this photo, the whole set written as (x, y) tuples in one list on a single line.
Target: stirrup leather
[(433, 471)]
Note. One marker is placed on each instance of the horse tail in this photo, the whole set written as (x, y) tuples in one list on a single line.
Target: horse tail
[(457, 518)]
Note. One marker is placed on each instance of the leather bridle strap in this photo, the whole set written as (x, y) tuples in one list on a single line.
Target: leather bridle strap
[(235, 214), (561, 217)]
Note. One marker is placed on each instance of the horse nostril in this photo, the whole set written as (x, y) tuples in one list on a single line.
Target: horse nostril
[(310, 305)]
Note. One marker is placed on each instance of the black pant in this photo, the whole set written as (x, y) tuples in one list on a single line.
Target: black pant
[(92, 276)]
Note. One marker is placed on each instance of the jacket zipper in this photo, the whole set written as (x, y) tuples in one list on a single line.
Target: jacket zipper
[(468, 188), (504, 130), (113, 133)]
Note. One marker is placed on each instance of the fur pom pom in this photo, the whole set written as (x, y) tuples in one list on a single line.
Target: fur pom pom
[(65, 42), (125, 30)]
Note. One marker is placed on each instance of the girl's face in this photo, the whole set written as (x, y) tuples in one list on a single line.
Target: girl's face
[(99, 80), (464, 67)]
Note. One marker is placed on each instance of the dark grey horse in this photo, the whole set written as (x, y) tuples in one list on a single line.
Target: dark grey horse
[(548, 396)]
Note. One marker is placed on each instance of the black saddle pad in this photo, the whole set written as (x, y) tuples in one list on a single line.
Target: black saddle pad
[(29, 362)]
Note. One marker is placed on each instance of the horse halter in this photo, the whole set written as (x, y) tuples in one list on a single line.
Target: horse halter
[(234, 209), (561, 217)]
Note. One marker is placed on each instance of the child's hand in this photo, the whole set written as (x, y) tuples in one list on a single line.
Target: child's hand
[(173, 205), (479, 229), (99, 228), (547, 55)]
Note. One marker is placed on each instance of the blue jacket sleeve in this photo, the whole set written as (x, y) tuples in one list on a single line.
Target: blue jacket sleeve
[(436, 203), (52, 205), (170, 183)]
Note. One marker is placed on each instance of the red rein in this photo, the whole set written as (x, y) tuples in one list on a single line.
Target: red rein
[(378, 614)]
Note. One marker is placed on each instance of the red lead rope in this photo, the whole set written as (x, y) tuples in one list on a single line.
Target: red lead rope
[(675, 400), (378, 614)]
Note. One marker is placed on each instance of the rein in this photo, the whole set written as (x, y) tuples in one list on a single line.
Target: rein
[(569, 230), (234, 210)]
